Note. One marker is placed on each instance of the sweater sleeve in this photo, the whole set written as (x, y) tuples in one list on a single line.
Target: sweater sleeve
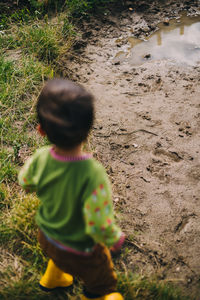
[(26, 176), (99, 218)]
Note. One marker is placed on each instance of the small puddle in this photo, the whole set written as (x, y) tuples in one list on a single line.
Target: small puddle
[(179, 41)]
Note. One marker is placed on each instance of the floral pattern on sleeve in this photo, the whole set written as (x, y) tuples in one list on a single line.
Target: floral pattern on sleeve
[(99, 218)]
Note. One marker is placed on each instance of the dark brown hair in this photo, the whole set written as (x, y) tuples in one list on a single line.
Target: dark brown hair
[(65, 112)]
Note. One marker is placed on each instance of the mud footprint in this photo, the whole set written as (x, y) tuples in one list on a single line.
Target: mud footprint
[(158, 169), (172, 155)]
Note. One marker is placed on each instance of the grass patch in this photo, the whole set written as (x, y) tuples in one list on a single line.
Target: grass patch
[(41, 40), (134, 286), (18, 230), (20, 82)]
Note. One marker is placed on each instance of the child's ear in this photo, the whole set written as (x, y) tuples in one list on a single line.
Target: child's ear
[(40, 130)]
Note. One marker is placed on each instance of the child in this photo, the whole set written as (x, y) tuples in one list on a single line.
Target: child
[(75, 217)]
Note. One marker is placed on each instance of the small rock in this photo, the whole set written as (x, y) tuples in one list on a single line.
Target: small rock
[(116, 63), (166, 22), (147, 56), (145, 29)]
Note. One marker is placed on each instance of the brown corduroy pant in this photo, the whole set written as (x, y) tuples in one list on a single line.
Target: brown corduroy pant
[(96, 270)]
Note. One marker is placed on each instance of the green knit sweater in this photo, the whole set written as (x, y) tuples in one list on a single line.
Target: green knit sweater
[(76, 207)]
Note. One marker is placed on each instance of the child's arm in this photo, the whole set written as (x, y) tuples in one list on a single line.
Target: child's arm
[(100, 222), (26, 176)]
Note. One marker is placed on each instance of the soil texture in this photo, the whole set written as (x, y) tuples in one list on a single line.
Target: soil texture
[(147, 135)]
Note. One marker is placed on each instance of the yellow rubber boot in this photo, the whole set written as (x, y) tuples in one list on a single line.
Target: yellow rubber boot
[(112, 296), (54, 278)]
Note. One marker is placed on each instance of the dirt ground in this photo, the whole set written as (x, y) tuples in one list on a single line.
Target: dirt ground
[(147, 136)]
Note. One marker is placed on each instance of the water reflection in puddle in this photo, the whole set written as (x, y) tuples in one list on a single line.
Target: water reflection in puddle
[(180, 41)]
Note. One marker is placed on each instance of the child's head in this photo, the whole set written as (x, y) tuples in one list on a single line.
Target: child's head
[(65, 112)]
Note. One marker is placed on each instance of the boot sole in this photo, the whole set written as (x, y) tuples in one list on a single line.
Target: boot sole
[(58, 288)]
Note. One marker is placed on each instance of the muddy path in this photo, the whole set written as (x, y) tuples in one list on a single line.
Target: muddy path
[(147, 135)]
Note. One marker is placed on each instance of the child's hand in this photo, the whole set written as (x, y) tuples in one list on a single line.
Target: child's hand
[(116, 249)]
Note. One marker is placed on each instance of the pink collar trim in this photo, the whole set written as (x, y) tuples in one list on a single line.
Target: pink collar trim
[(69, 158)]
